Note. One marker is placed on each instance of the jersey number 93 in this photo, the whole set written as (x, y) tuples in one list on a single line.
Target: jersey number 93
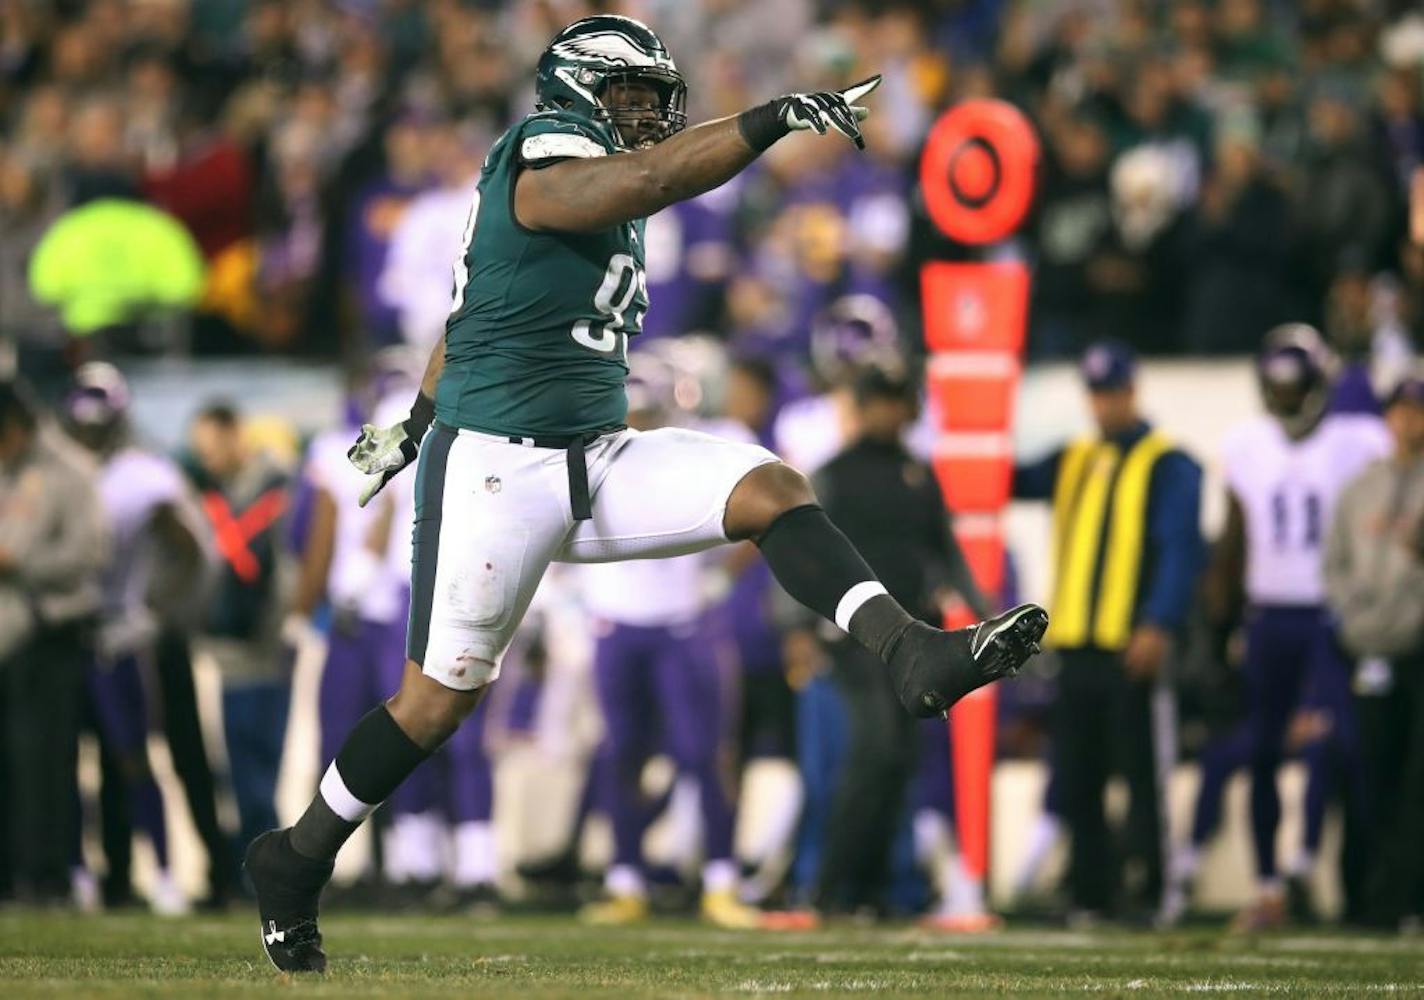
[(623, 281)]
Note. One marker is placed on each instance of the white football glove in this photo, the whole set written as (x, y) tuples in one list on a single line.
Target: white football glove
[(832, 109), (382, 453)]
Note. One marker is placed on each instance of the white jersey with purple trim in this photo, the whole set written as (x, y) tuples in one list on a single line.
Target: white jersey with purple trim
[(133, 485), (650, 593), (391, 410), (416, 279), (367, 575), (726, 429), (1287, 491), (809, 432)]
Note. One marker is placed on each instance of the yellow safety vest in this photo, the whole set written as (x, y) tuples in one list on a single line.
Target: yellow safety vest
[(1100, 500)]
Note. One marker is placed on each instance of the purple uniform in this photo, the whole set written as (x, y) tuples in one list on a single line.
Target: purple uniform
[(376, 211), (749, 619), (662, 686), (1293, 662), (117, 688), (1287, 491), (133, 487), (689, 258), (856, 217)]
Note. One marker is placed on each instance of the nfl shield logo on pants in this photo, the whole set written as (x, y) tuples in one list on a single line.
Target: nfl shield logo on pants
[(492, 484)]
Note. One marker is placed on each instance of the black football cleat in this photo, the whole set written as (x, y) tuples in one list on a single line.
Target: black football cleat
[(288, 889), (562, 868), (934, 668)]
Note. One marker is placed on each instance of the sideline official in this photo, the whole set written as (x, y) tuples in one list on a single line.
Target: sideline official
[(890, 506), (1127, 550)]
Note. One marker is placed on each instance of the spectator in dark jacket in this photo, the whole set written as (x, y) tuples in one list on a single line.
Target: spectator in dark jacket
[(1344, 200), (244, 496), (1239, 247)]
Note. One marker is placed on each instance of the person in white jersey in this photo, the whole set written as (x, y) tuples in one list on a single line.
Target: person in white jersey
[(853, 332), (1284, 471), (155, 559), (661, 687)]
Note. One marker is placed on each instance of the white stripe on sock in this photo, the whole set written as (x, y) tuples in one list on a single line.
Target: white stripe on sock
[(336, 795), (851, 601)]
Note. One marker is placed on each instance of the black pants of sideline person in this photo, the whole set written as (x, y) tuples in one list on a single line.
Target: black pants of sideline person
[(115, 820), (1392, 729), (182, 727), (1105, 726), (870, 795), (40, 687)]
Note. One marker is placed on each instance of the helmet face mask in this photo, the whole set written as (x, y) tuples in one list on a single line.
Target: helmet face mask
[(854, 332), (644, 106), (95, 412), (1294, 373), (651, 388), (614, 70), (1287, 401)]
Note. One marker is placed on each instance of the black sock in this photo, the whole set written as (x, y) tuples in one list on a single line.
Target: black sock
[(817, 565), (373, 761)]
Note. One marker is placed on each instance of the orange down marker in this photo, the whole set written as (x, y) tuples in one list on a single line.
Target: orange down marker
[(977, 176)]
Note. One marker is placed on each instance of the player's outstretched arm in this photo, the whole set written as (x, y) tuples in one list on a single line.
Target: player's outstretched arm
[(589, 195)]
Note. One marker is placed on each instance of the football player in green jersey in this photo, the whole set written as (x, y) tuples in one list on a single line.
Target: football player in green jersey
[(523, 456)]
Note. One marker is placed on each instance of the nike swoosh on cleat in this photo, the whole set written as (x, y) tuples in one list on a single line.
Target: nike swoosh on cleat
[(982, 640)]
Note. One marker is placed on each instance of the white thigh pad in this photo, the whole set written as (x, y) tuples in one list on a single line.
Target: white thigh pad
[(503, 515)]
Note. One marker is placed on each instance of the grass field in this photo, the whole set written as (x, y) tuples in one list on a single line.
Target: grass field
[(54, 955)]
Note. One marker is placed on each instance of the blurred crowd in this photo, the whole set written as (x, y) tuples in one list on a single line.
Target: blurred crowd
[(1208, 168), (282, 178)]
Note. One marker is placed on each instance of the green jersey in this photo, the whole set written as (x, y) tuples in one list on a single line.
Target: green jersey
[(537, 340)]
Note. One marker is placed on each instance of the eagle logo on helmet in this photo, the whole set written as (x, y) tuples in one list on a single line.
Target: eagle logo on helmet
[(612, 47)]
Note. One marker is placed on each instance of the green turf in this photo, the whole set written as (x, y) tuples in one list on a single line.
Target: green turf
[(55, 955)]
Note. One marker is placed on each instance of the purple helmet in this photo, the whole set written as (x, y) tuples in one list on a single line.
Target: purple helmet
[(388, 372), (96, 409), (1295, 370), (394, 369), (852, 332), (650, 384)]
